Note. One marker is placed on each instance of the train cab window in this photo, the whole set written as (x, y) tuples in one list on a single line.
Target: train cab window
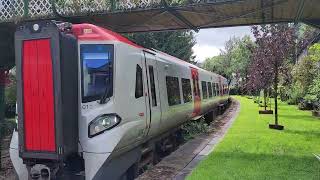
[(210, 89), (204, 89), (139, 82), (173, 90), (96, 71), (186, 90), (152, 86)]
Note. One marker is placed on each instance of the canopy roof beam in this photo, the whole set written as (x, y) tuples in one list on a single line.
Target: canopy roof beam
[(300, 11), (180, 17)]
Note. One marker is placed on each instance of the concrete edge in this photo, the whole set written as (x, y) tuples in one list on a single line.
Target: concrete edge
[(209, 147)]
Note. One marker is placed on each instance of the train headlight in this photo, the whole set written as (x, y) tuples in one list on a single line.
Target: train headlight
[(103, 123)]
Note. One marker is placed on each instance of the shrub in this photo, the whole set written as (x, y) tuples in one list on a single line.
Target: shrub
[(193, 128), (7, 127), (305, 105), (296, 94)]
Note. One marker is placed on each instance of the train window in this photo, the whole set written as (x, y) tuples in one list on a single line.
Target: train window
[(214, 89), (152, 86), (173, 90), (96, 71), (186, 90), (204, 89), (210, 89), (139, 82), (218, 90)]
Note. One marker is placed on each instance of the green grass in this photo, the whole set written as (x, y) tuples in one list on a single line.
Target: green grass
[(251, 150)]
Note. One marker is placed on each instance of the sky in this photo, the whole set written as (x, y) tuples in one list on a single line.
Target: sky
[(210, 41)]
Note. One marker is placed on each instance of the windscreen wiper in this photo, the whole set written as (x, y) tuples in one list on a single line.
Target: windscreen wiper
[(104, 99)]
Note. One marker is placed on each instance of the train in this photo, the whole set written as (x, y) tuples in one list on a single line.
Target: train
[(93, 105)]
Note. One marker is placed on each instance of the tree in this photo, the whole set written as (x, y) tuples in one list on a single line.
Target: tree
[(232, 62), (314, 52), (275, 45), (313, 94), (219, 64), (175, 43)]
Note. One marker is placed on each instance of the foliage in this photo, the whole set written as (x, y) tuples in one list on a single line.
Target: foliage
[(314, 92), (7, 126), (314, 52), (193, 128), (232, 62), (11, 88), (218, 64), (295, 94), (305, 35), (175, 43), (249, 150), (305, 80), (274, 47), (303, 74)]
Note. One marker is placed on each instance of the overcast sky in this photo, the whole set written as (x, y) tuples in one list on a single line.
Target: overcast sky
[(210, 41)]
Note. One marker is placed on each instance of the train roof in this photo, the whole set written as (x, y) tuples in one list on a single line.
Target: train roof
[(90, 32)]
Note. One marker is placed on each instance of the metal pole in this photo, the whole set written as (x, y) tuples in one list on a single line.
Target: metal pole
[(113, 5), (26, 8)]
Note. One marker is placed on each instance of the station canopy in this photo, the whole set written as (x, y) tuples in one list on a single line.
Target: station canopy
[(159, 15), (127, 16), (221, 13)]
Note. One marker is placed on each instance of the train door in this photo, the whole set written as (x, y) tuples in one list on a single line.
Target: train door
[(196, 92), (154, 105)]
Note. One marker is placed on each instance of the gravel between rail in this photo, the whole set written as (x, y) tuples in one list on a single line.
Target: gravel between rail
[(7, 171), (181, 162)]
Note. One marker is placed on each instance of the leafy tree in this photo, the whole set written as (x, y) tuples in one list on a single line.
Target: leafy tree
[(314, 52), (303, 75), (313, 94), (175, 43), (219, 64), (232, 62), (275, 43)]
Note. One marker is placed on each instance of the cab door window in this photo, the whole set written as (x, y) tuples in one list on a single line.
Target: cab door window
[(139, 82)]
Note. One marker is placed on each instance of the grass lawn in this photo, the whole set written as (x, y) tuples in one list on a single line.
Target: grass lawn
[(251, 150)]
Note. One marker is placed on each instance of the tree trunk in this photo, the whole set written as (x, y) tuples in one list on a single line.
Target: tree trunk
[(2, 109), (276, 94), (265, 99)]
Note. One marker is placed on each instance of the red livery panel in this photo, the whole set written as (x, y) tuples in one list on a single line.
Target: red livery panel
[(38, 97), (196, 92)]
